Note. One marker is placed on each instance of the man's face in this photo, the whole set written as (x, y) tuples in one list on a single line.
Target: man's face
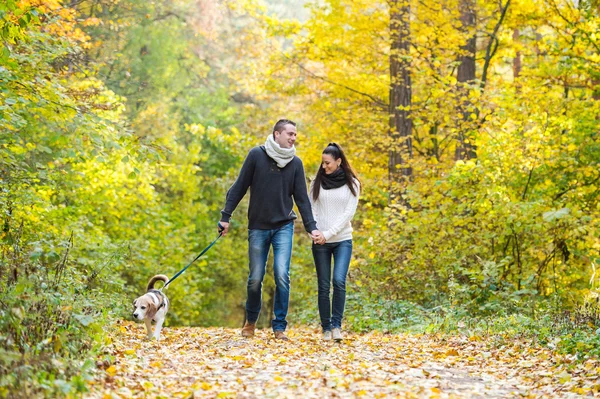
[(287, 137)]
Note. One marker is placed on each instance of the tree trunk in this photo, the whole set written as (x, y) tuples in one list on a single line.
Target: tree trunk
[(466, 75), (492, 46), (400, 123), (517, 60), (466, 68)]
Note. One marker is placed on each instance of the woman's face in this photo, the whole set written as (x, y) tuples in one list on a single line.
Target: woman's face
[(329, 164)]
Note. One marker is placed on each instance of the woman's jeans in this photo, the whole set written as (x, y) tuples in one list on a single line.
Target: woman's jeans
[(331, 312), (259, 243)]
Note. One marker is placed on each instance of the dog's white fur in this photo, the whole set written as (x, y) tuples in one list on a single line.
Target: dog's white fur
[(152, 307)]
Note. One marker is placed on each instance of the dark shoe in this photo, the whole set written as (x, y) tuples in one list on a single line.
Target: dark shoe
[(281, 336), (248, 330)]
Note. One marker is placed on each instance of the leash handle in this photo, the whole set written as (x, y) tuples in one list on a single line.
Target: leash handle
[(221, 228)]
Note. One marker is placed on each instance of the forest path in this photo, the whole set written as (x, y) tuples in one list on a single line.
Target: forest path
[(193, 362)]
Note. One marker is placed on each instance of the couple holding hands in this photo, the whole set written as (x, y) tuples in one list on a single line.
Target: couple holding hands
[(275, 176)]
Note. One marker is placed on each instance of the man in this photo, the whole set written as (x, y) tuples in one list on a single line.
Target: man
[(274, 175)]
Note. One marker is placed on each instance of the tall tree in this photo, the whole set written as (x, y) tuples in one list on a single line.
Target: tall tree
[(465, 76), (400, 123), (517, 61), (493, 43)]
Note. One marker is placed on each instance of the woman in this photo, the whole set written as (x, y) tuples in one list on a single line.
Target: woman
[(334, 197)]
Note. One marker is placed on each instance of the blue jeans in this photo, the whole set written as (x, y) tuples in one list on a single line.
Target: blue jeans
[(259, 243), (332, 312)]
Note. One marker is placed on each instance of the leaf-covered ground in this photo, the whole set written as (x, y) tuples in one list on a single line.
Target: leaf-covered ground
[(219, 363)]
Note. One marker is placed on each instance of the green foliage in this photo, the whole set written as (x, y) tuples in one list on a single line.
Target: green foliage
[(57, 293), (383, 314), (52, 320)]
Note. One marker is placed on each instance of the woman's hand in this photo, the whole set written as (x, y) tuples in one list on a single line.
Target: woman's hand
[(317, 237)]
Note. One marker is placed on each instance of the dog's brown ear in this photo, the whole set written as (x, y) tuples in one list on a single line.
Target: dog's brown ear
[(134, 301), (151, 311)]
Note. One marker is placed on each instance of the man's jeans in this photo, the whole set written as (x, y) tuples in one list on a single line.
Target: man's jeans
[(259, 243), (332, 312)]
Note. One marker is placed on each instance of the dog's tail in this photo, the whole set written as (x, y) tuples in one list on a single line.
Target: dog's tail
[(153, 280)]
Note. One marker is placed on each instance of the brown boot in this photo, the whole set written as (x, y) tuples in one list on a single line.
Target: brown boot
[(248, 330), (281, 336)]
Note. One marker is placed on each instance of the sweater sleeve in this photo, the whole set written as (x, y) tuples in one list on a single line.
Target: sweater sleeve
[(237, 191), (301, 199), (345, 217)]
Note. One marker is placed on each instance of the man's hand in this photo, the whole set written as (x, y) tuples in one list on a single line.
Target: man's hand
[(317, 237), (225, 226)]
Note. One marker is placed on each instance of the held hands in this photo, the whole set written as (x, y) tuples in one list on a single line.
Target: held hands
[(317, 237)]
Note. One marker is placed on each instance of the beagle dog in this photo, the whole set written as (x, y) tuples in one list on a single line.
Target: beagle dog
[(152, 306)]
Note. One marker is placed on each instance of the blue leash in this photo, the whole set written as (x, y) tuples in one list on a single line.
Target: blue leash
[(195, 259)]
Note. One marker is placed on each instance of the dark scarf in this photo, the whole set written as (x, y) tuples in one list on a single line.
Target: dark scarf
[(335, 180)]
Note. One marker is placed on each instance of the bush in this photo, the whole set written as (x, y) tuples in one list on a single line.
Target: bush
[(51, 322)]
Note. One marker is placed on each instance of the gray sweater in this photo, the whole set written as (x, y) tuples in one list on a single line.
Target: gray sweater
[(271, 192)]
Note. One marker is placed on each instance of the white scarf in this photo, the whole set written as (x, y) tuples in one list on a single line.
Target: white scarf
[(282, 156)]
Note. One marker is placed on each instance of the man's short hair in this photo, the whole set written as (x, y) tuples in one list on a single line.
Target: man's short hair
[(281, 123)]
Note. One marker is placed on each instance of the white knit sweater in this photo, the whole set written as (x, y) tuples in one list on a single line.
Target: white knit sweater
[(333, 211)]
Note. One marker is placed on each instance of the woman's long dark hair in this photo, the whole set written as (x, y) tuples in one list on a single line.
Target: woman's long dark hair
[(336, 152)]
